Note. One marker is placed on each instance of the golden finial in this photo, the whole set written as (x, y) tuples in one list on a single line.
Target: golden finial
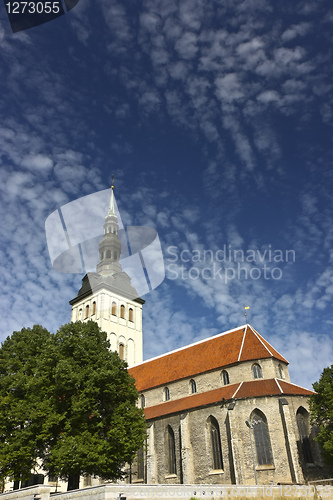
[(245, 309), (112, 184)]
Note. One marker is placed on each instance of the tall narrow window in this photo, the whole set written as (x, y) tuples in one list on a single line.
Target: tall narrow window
[(121, 351), (261, 438), (94, 308), (225, 377), (215, 439), (130, 314), (115, 255), (108, 254), (280, 371), (141, 464), (303, 424), (166, 394), (114, 309), (143, 401), (87, 311), (171, 451), (122, 311), (193, 386), (257, 372)]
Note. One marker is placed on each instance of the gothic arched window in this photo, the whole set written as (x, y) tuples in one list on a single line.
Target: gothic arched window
[(171, 452), (257, 372), (122, 311), (94, 308), (225, 377), (166, 393), (87, 311), (261, 438), (130, 314), (143, 401), (114, 309), (121, 351), (141, 464), (303, 424), (215, 440), (193, 386)]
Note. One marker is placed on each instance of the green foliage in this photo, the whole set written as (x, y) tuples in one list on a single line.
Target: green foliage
[(19, 357), (71, 402), (321, 408)]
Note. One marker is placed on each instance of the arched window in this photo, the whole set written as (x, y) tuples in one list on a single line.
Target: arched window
[(108, 254), (141, 464), (122, 311), (193, 386), (115, 255), (94, 308), (143, 401), (166, 393), (215, 440), (130, 314), (121, 351), (171, 452), (257, 372), (261, 438), (225, 377), (87, 311), (114, 309), (280, 371), (303, 424)]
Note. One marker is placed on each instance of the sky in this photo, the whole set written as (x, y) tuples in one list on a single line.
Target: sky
[(215, 118)]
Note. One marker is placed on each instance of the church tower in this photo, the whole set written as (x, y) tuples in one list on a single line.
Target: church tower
[(109, 298)]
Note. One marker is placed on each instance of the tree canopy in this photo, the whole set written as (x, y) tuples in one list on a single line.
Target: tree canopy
[(321, 408), (67, 401)]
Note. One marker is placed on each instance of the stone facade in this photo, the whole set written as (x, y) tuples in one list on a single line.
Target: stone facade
[(259, 417)]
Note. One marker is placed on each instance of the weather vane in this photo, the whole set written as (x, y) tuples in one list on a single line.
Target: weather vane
[(245, 309), (112, 183)]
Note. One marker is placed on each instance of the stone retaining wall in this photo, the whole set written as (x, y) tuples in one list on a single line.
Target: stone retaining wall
[(167, 492)]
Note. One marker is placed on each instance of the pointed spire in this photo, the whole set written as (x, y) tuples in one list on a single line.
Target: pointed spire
[(110, 246), (111, 206)]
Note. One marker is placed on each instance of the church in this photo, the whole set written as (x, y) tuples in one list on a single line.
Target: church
[(219, 411)]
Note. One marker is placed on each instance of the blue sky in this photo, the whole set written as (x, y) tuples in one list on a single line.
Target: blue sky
[(216, 119)]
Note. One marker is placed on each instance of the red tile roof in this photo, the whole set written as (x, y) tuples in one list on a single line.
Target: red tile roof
[(242, 390), (241, 344)]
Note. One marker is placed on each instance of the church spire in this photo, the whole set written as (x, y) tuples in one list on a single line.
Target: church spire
[(111, 204), (110, 247)]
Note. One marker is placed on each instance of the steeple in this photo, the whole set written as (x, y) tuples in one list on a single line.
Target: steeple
[(110, 247)]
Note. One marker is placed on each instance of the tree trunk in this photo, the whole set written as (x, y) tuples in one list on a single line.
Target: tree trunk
[(73, 481)]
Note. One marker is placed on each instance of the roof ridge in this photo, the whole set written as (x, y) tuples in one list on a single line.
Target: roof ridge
[(240, 385), (258, 334), (241, 349), (296, 385), (190, 345), (258, 337), (276, 380)]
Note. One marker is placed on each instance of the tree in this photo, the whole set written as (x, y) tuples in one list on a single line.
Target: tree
[(84, 418), (321, 408), (19, 356)]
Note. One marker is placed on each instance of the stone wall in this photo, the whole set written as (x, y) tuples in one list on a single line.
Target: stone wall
[(186, 492), (213, 380), (193, 444)]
